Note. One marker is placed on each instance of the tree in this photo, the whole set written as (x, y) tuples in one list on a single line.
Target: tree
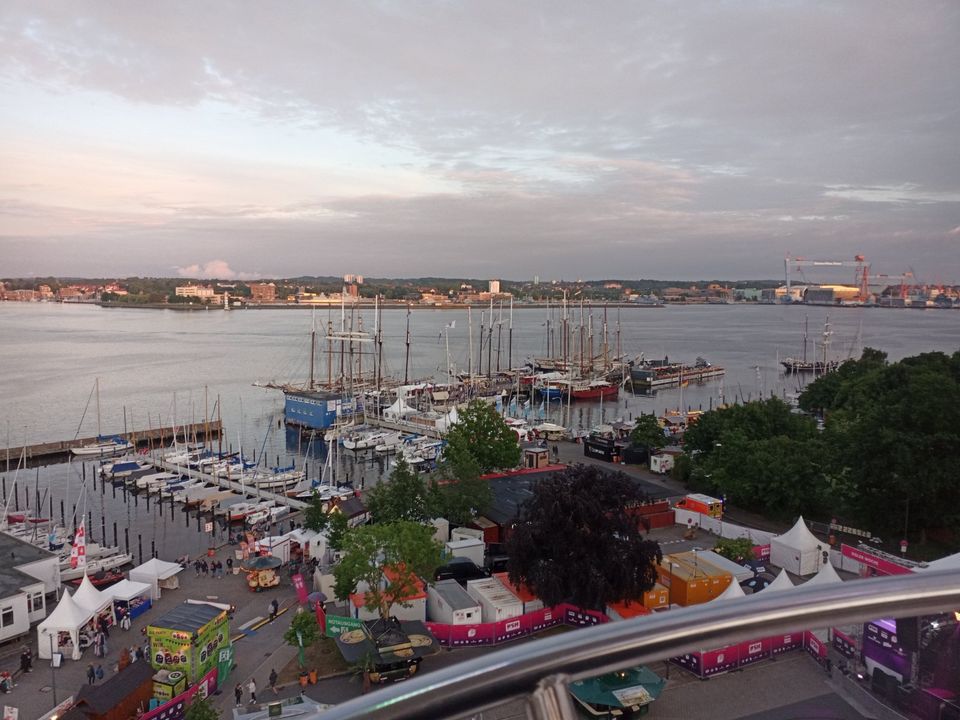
[(303, 632), (201, 709), (402, 497), (337, 530), (482, 433), (315, 516), (736, 549), (388, 559), (648, 433), (456, 491), (574, 540)]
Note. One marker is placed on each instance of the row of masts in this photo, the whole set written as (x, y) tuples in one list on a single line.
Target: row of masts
[(577, 349)]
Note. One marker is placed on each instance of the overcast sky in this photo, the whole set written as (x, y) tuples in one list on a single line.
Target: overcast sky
[(513, 139)]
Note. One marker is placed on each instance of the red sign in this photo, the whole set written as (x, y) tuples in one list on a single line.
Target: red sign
[(761, 552), (754, 651), (875, 562), (714, 662), (300, 587), (814, 646)]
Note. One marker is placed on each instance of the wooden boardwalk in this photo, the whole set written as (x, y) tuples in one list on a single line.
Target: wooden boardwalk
[(49, 452)]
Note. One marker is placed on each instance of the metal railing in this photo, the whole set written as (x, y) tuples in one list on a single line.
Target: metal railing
[(541, 670)]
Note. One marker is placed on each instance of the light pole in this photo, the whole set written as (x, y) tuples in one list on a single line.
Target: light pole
[(53, 671)]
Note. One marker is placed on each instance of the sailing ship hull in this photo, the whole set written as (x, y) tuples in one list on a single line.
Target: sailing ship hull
[(674, 375), (595, 392), (805, 366)]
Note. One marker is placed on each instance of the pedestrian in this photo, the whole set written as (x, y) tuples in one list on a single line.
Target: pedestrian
[(138, 654), (99, 671), (252, 689), (230, 565), (196, 567), (238, 694), (274, 609), (91, 674), (125, 622), (24, 661), (146, 649), (203, 568), (273, 681)]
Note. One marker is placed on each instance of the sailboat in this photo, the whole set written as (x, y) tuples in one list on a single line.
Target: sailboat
[(815, 366), (104, 446)]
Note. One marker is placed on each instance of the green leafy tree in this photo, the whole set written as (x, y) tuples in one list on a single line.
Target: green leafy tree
[(337, 530), (456, 491), (201, 709), (575, 540), (387, 558), (303, 632), (736, 549), (404, 496), (315, 517), (648, 433), (482, 433)]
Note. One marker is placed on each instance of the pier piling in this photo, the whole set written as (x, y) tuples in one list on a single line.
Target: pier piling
[(140, 547), (63, 515), (103, 529), (115, 543), (153, 548), (126, 540)]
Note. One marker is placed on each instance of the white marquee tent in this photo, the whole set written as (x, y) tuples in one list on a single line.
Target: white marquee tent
[(781, 582), (797, 550), (127, 590), (156, 573), (950, 562), (733, 592), (398, 410), (67, 617), (826, 576), (90, 599)]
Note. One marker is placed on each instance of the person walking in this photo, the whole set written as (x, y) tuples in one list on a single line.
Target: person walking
[(125, 622), (252, 689), (273, 680), (99, 671), (238, 694), (229, 566), (91, 674), (274, 608)]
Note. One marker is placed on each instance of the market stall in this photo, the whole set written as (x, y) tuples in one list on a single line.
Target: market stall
[(130, 598), (797, 550), (60, 631), (97, 602), (158, 574), (189, 639)]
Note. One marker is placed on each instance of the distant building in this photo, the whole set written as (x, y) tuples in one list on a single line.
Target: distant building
[(494, 287), (263, 292), (204, 292)]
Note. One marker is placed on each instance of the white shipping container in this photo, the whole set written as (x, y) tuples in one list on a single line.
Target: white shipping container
[(449, 603), (470, 548), (496, 602), (661, 464)]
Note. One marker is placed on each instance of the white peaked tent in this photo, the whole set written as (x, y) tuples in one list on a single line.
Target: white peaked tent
[(89, 598), (153, 572), (797, 550), (127, 590), (67, 617), (781, 582), (732, 592), (398, 410), (448, 420), (950, 562), (826, 576)]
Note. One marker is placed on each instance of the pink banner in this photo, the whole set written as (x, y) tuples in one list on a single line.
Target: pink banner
[(878, 564), (176, 709), (814, 645), (541, 619), (714, 662), (511, 628), (788, 641), (462, 635), (572, 615), (754, 651), (321, 618), (300, 586), (761, 552), (844, 644)]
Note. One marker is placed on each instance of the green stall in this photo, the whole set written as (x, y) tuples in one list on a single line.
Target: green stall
[(188, 640)]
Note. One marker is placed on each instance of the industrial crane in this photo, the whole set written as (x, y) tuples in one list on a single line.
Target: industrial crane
[(862, 272)]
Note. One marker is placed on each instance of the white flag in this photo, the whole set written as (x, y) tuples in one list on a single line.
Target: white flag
[(78, 551)]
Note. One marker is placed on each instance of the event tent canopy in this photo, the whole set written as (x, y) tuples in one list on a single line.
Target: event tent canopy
[(782, 582), (733, 592), (153, 572), (127, 590), (66, 617), (950, 562), (89, 598), (398, 410), (826, 576), (797, 550)]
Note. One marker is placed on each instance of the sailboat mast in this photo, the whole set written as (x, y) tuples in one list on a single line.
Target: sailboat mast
[(98, 406), (499, 332), (470, 333), (406, 362), (313, 350), (510, 336)]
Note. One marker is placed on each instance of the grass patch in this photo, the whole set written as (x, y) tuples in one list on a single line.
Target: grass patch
[(323, 656)]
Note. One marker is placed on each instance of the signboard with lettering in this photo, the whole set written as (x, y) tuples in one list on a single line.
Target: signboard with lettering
[(877, 564), (338, 624)]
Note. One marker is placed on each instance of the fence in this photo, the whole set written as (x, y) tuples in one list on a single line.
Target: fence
[(721, 528), (513, 628)]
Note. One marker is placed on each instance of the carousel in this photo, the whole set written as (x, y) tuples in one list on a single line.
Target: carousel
[(262, 572)]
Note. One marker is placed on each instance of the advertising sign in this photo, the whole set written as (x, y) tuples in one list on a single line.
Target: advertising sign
[(462, 635), (761, 552), (300, 586), (511, 628), (879, 565), (714, 662), (844, 644), (577, 616), (787, 641), (337, 625), (213, 636), (169, 649), (541, 619), (176, 709), (754, 651), (689, 662), (321, 618), (814, 645)]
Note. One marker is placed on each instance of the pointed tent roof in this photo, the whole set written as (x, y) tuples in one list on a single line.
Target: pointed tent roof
[(799, 537), (66, 615), (826, 576), (88, 597), (160, 569), (950, 562), (732, 592), (782, 582), (398, 409)]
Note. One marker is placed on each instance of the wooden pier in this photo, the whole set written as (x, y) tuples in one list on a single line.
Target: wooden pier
[(51, 452), (226, 484)]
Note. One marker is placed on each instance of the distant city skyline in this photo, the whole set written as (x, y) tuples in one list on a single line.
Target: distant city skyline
[(695, 139)]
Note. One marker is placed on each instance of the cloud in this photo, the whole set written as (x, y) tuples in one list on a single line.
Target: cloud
[(214, 270)]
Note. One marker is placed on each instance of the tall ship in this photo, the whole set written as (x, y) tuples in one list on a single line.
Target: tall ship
[(815, 365)]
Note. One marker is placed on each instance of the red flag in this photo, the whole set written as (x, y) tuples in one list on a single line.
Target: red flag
[(321, 618), (78, 550), (300, 587)]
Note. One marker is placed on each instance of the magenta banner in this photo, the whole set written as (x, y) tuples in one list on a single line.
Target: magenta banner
[(814, 645), (511, 629), (788, 641), (761, 552), (878, 564), (463, 635), (844, 644), (573, 615), (754, 651), (542, 619), (714, 662), (300, 586)]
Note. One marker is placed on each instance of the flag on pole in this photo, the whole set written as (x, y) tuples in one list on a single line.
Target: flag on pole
[(78, 550)]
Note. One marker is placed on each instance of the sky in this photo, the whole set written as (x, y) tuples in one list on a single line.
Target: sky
[(688, 139)]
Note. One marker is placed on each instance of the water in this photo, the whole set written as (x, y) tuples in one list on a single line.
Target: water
[(161, 367)]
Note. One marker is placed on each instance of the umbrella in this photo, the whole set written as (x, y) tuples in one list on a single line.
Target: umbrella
[(263, 562), (316, 597)]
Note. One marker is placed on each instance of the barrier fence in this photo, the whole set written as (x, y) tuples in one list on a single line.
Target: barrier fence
[(516, 627)]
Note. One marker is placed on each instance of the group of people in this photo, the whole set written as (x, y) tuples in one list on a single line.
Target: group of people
[(94, 673), (252, 689), (214, 567), (26, 659)]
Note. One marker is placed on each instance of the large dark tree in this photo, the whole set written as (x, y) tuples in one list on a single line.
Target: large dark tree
[(574, 540), (648, 433), (456, 491), (403, 496), (482, 433)]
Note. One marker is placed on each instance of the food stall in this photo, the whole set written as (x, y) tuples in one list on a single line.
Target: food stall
[(188, 639), (96, 602), (130, 598), (60, 631)]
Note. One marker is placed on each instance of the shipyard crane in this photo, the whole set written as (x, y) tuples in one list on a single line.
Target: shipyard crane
[(900, 281), (861, 274)]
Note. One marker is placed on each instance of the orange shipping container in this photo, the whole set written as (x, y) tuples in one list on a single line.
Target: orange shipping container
[(656, 598), (690, 582)]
